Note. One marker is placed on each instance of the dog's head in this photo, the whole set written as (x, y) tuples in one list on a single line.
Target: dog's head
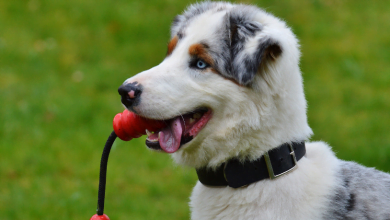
[(230, 86)]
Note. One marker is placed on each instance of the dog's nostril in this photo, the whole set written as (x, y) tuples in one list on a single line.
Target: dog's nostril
[(130, 93)]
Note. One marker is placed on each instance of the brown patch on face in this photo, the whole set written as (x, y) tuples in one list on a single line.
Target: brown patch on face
[(226, 78), (215, 71), (171, 45), (233, 81), (199, 50)]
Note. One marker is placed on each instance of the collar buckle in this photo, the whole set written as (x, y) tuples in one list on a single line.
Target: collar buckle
[(271, 170)]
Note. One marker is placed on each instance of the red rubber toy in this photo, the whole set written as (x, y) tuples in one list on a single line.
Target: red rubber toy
[(128, 125), (99, 217)]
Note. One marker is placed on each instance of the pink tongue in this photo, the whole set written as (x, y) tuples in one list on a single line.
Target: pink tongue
[(170, 136)]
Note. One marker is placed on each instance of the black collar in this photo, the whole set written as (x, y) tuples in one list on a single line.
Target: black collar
[(272, 164)]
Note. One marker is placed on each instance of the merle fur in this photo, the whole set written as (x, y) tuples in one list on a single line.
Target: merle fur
[(231, 60), (361, 194)]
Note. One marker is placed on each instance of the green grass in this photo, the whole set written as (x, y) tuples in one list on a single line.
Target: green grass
[(61, 63)]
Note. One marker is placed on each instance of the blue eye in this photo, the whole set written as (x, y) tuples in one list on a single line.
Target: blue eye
[(201, 64)]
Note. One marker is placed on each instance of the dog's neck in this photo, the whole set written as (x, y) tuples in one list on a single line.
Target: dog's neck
[(273, 164)]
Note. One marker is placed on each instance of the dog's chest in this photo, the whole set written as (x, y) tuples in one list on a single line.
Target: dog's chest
[(302, 194), (245, 203)]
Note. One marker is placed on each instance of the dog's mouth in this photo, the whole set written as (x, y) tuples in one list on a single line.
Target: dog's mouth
[(179, 131)]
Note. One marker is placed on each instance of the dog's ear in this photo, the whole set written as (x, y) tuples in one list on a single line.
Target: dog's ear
[(249, 49)]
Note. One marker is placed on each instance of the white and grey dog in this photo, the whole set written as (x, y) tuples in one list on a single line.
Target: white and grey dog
[(230, 90)]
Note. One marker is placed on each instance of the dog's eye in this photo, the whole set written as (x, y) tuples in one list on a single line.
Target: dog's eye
[(198, 64), (201, 64)]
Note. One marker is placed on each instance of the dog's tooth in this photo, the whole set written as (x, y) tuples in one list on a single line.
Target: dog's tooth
[(148, 132), (192, 120), (197, 115), (152, 140)]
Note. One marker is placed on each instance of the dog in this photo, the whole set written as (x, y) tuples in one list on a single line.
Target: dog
[(230, 91)]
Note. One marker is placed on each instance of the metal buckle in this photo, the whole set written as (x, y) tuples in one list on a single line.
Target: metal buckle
[(271, 170)]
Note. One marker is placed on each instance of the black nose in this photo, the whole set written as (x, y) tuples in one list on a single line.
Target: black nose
[(130, 94)]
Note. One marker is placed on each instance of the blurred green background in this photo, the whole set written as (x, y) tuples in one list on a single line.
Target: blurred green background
[(61, 63)]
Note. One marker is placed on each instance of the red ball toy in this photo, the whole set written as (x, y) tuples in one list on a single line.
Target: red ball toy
[(128, 125), (99, 217)]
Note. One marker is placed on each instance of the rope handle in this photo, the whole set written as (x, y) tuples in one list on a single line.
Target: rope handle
[(102, 177)]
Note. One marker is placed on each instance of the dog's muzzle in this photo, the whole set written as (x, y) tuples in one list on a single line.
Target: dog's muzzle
[(130, 94)]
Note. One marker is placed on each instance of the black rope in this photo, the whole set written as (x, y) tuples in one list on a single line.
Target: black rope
[(103, 172)]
